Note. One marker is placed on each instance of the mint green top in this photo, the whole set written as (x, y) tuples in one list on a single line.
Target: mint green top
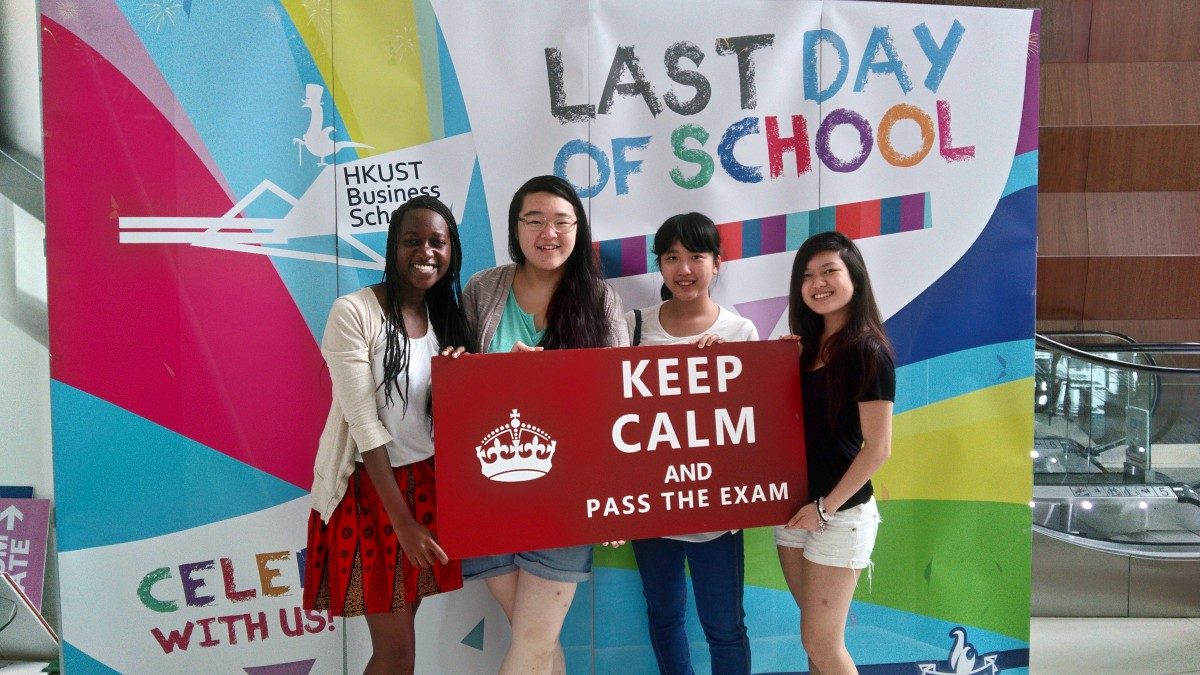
[(515, 324)]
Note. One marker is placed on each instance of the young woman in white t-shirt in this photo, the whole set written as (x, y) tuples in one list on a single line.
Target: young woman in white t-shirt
[(688, 249)]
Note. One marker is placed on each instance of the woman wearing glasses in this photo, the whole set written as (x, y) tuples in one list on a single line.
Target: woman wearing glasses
[(552, 298)]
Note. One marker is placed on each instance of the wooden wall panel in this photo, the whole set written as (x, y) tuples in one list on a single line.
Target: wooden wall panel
[(1144, 30), (1061, 285), (1063, 158), (1142, 223), (1066, 29), (1154, 330), (1142, 287), (1144, 158), (1050, 325), (1144, 93), (1065, 98), (1062, 224)]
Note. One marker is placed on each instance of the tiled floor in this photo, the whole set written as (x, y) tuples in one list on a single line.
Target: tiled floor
[(1149, 646)]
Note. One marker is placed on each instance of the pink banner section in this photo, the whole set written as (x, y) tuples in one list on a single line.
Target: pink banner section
[(207, 343), (24, 524)]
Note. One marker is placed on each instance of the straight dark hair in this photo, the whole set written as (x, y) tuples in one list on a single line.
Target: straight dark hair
[(576, 317), (694, 231), (446, 317), (862, 337)]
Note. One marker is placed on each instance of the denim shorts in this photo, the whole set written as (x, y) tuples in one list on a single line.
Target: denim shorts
[(847, 540), (572, 564)]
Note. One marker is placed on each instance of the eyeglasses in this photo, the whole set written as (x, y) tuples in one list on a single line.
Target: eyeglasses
[(539, 224)]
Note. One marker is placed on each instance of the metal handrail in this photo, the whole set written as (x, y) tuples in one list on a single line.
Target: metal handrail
[(1149, 347), (1157, 551), (1044, 341), (1090, 333)]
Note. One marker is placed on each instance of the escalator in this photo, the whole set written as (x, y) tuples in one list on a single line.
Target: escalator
[(1116, 507)]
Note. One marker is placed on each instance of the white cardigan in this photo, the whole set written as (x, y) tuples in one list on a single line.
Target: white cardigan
[(353, 331)]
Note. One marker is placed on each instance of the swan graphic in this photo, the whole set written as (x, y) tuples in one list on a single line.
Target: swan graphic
[(318, 139), (963, 659)]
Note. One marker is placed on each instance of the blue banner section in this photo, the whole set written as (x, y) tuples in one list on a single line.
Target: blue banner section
[(984, 298), (259, 102), (773, 623), (937, 379), (119, 477), (1024, 173), (83, 663)]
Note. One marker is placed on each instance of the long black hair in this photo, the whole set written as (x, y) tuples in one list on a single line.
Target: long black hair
[(694, 231), (862, 337), (446, 317), (576, 316)]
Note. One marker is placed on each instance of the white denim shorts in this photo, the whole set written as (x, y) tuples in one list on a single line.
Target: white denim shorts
[(847, 540)]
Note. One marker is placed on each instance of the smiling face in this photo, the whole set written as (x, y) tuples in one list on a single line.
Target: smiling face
[(546, 249), (827, 287), (687, 274), (422, 253)]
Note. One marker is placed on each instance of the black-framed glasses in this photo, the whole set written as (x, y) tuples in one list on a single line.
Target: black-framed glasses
[(536, 224)]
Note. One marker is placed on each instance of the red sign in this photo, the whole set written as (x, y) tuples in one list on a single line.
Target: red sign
[(558, 448)]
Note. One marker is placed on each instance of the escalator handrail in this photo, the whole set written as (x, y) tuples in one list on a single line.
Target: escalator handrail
[(1148, 347), (1090, 333), (1133, 550), (1049, 343)]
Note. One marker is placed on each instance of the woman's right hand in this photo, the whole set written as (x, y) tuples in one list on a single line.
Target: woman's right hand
[(418, 544), (806, 518)]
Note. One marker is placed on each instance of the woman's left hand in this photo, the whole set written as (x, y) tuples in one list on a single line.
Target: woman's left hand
[(453, 352), (708, 339), (519, 346), (615, 544), (805, 519)]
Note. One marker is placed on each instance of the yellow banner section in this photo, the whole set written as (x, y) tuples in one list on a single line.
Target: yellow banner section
[(375, 50), (973, 447)]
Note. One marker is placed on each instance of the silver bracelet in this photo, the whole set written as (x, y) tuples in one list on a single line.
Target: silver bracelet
[(822, 514)]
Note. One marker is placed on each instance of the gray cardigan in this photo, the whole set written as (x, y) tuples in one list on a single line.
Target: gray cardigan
[(487, 292)]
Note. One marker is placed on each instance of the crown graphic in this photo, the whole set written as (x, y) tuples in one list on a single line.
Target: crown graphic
[(515, 452)]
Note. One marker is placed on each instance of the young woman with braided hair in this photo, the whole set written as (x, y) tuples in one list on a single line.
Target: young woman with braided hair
[(372, 533)]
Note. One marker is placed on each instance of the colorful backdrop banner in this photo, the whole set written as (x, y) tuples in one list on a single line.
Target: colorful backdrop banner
[(217, 173)]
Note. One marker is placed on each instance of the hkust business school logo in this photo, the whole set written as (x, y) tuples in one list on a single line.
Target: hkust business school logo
[(365, 192), (515, 452)]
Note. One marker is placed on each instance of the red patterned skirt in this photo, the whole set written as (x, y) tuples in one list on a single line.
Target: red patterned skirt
[(354, 564)]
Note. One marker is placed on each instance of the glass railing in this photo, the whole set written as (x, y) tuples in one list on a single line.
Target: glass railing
[(1117, 441)]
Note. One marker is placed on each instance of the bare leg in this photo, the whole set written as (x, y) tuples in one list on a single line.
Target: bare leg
[(539, 608), (504, 589), (825, 597), (393, 642), (791, 561)]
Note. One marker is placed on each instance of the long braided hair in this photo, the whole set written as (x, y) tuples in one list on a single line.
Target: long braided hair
[(446, 317), (576, 316)]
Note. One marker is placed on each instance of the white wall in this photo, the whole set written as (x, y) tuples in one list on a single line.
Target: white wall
[(24, 359), (25, 449), (20, 91)]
